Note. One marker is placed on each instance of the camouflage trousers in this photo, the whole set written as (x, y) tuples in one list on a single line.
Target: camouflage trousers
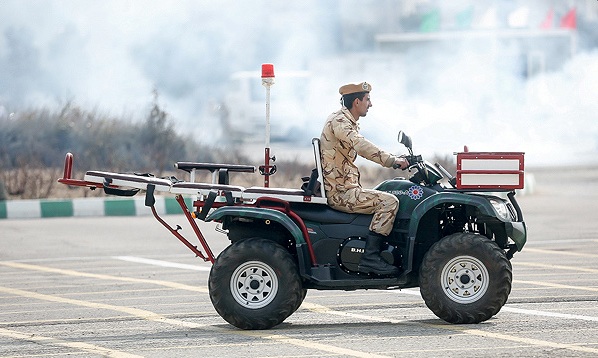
[(383, 205)]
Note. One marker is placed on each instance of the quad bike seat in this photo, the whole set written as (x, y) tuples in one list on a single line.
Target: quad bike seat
[(322, 213)]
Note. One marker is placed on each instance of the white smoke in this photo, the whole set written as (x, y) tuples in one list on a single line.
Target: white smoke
[(112, 54), (551, 117)]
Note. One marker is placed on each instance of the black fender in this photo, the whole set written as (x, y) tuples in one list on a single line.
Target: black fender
[(259, 213), (481, 203)]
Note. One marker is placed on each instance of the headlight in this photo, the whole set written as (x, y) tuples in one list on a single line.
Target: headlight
[(501, 208)]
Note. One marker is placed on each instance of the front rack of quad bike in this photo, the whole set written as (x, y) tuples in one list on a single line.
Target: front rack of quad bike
[(206, 196)]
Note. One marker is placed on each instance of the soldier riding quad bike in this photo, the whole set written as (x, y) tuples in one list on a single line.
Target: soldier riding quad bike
[(453, 240)]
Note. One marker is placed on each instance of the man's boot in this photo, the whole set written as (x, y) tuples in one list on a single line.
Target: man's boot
[(371, 261)]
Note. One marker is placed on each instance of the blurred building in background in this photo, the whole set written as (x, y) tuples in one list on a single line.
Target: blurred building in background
[(404, 47)]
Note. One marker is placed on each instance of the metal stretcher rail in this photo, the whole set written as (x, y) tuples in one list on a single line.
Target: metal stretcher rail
[(113, 183)]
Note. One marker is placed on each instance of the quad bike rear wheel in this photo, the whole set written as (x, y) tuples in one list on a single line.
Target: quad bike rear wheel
[(255, 284), (465, 278)]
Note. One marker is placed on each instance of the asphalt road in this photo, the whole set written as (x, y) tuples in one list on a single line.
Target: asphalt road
[(125, 287)]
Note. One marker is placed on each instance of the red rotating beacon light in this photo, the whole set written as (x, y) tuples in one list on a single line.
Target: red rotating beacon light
[(267, 70)]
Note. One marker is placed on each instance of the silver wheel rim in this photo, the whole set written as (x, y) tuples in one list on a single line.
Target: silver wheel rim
[(254, 284), (465, 279)]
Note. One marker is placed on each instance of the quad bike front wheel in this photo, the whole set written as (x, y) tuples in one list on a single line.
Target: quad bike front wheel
[(465, 278), (255, 284)]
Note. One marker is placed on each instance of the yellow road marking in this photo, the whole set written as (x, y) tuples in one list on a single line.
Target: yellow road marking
[(170, 284), (310, 344), (155, 317), (85, 347), (314, 307), (151, 316), (143, 314)]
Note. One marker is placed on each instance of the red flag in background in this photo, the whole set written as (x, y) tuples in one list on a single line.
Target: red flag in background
[(548, 21), (569, 21)]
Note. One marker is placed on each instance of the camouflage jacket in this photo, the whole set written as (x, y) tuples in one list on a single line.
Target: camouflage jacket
[(340, 143)]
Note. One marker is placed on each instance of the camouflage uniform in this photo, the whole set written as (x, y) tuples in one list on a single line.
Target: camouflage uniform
[(340, 143)]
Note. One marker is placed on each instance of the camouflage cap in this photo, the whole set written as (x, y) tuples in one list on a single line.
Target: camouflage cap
[(354, 88)]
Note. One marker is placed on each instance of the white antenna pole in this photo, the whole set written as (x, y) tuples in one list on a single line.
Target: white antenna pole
[(267, 81)]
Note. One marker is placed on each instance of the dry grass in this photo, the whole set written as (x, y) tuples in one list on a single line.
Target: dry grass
[(42, 183)]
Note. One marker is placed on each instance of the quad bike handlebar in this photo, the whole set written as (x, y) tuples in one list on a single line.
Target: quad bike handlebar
[(411, 161), (426, 173)]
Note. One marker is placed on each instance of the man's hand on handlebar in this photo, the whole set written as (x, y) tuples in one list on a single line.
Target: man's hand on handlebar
[(401, 163)]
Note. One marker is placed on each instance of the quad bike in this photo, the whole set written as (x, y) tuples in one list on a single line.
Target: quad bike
[(453, 237)]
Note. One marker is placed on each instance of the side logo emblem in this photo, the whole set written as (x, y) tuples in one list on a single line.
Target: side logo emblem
[(416, 192)]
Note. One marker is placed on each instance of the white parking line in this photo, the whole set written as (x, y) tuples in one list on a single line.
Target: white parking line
[(561, 253), (142, 260), (557, 267), (549, 314), (509, 308)]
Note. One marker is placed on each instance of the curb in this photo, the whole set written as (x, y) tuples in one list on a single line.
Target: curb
[(81, 207), (52, 208)]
